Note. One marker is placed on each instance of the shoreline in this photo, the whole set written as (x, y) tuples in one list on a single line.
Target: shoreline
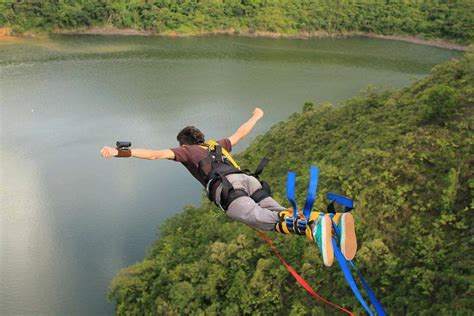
[(6, 35)]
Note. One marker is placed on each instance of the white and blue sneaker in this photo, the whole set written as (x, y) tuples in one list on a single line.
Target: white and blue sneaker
[(347, 236), (322, 232)]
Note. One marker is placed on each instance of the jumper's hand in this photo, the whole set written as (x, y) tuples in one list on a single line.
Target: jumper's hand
[(257, 113), (109, 152)]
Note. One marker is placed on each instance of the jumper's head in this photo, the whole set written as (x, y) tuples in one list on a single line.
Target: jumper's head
[(190, 135)]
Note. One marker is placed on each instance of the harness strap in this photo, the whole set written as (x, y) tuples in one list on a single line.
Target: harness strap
[(222, 164), (211, 145), (346, 202), (347, 274), (263, 163), (228, 193), (259, 195), (266, 187), (220, 168), (350, 280), (232, 195), (218, 153), (312, 188), (290, 191), (378, 307), (301, 222)]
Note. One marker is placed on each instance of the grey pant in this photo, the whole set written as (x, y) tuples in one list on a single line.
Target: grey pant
[(263, 215)]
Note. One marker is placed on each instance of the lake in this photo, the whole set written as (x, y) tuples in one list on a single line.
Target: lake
[(71, 219)]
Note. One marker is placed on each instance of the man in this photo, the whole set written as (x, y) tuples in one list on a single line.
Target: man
[(241, 195)]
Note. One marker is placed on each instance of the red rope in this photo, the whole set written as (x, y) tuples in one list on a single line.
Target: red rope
[(299, 278)]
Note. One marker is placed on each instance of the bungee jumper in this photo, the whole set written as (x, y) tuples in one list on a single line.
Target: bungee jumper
[(243, 196)]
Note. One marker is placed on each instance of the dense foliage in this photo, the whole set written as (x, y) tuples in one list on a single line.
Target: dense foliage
[(406, 158), (433, 19)]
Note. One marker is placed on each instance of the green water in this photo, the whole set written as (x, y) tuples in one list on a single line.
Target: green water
[(70, 219)]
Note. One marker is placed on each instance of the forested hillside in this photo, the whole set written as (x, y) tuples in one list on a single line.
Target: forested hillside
[(405, 156), (452, 20)]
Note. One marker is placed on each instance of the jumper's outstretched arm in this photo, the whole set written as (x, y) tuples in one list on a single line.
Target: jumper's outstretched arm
[(109, 152), (245, 128)]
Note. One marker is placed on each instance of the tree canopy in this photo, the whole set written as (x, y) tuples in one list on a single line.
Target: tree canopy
[(452, 20)]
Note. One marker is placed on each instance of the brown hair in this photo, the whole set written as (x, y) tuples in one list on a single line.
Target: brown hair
[(190, 135)]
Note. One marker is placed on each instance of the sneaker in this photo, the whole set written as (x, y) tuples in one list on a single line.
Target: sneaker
[(322, 235), (347, 238)]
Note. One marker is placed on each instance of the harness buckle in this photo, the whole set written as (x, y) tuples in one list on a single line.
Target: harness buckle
[(301, 225), (289, 221)]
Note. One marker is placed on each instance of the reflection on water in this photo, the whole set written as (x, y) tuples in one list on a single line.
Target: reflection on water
[(70, 219), (361, 52)]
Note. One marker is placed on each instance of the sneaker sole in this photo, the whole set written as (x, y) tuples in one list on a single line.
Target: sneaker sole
[(326, 240), (348, 236)]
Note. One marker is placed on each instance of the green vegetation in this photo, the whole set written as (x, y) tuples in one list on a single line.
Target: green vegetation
[(452, 20), (405, 156)]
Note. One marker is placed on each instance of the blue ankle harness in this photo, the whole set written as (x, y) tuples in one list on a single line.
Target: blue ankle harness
[(308, 205), (302, 224)]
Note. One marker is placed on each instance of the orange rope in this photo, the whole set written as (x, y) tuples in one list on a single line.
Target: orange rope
[(298, 277)]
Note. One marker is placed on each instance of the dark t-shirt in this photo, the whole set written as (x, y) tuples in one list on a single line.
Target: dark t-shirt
[(190, 155)]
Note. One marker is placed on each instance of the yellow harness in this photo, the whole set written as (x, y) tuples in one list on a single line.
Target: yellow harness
[(222, 164), (211, 146)]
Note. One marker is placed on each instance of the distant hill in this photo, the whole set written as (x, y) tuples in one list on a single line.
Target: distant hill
[(452, 20), (405, 156)]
